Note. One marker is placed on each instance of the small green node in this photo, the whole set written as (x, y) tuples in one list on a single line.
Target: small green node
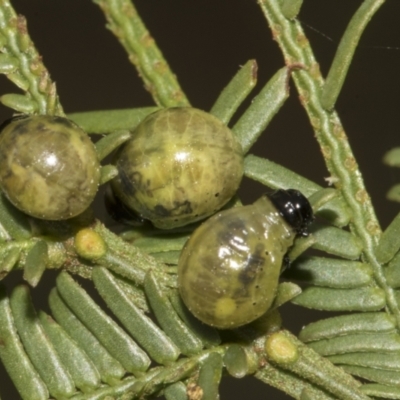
[(281, 349), (89, 244)]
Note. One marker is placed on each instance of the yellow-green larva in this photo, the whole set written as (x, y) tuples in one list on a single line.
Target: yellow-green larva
[(49, 167), (181, 165), (229, 269)]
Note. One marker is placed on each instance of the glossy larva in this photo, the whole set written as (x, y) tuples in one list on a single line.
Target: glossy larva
[(229, 269), (49, 167), (181, 165)]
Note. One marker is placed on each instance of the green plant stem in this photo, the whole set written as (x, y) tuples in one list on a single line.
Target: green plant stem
[(150, 382), (30, 74), (124, 21), (331, 137)]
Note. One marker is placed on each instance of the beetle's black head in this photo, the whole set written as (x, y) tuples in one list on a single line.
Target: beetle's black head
[(294, 208)]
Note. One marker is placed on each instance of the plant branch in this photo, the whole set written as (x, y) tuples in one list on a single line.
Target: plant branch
[(23, 66), (124, 21), (331, 136)]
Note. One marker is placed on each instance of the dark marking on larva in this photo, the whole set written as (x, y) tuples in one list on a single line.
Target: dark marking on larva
[(179, 209), (126, 182)]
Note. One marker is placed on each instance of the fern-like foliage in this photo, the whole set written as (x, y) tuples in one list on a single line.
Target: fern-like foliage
[(145, 342)]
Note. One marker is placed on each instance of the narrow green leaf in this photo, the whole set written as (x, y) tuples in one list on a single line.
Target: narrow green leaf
[(364, 299), (157, 244), (36, 262), (391, 378), (167, 257), (238, 362), (292, 384), (37, 345), (150, 337), (109, 121), (363, 342), (388, 361), (107, 172), (348, 324), (20, 103), (19, 80), (13, 221), (278, 177), (235, 92), (330, 272), (392, 157), (286, 292), (392, 271), (381, 391), (112, 141), (176, 391), (344, 54), (290, 8), (8, 63), (14, 358), (394, 193), (336, 241), (301, 244), (78, 364), (8, 259), (134, 293), (156, 377), (311, 393), (120, 255), (207, 334), (167, 317), (111, 371), (119, 344), (389, 243), (262, 109), (321, 197), (210, 376)]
